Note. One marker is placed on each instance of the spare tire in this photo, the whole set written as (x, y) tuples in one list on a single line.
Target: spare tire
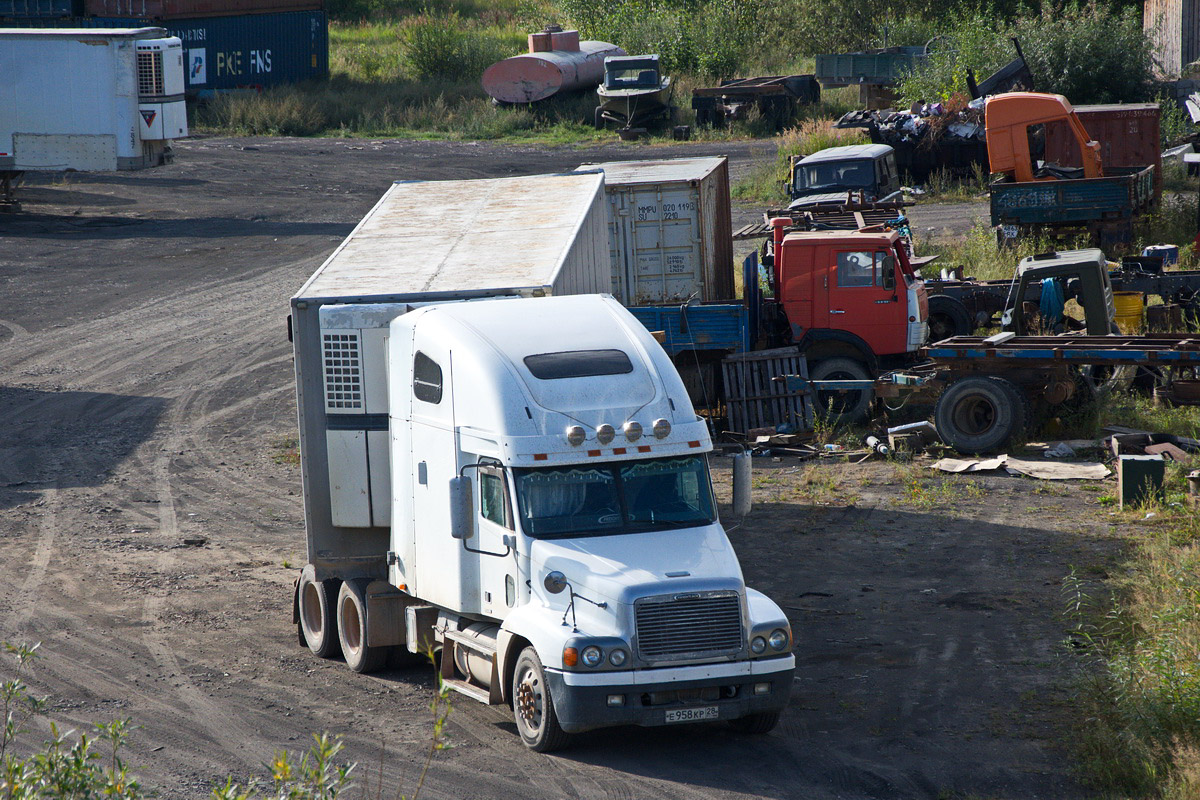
[(980, 415), (948, 316)]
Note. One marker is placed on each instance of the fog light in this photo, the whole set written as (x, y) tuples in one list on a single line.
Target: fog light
[(616, 700), (633, 430), (762, 688), (605, 433), (662, 428), (575, 435)]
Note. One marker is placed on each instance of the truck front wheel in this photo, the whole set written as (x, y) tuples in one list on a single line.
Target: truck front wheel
[(316, 600), (533, 707), (762, 722), (948, 316), (352, 628), (840, 405)]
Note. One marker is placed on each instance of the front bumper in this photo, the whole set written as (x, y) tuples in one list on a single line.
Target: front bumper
[(581, 698)]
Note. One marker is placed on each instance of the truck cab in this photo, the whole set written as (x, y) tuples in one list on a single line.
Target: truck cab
[(827, 176), (851, 301)]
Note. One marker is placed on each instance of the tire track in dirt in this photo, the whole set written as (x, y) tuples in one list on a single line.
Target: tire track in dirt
[(26, 601)]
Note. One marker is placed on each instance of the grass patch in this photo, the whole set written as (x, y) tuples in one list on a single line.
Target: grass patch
[(286, 452)]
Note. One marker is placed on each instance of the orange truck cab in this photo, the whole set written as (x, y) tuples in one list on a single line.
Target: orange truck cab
[(851, 300), (1016, 134)]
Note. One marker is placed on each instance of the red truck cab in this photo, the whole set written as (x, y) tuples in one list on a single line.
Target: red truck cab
[(851, 300)]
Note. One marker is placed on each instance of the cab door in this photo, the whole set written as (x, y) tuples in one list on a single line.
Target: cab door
[(864, 299)]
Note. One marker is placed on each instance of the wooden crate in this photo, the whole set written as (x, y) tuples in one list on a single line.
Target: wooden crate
[(754, 400)]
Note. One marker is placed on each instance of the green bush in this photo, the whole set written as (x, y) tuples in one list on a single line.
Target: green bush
[(443, 48)]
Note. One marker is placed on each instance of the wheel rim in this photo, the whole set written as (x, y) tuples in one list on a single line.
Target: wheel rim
[(975, 415), (530, 702), (351, 626), (312, 609)]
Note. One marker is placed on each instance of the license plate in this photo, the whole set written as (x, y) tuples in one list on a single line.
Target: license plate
[(692, 714), (1009, 231)]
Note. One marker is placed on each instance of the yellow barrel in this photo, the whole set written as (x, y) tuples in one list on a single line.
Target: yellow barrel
[(1129, 311)]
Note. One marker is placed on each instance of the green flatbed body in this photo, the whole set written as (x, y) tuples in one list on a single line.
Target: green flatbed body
[(1118, 196)]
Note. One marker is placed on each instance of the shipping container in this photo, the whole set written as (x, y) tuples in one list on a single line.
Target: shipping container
[(670, 236), (1128, 135), (24, 9), (423, 242), (89, 99), (253, 51), (880, 67), (185, 9)]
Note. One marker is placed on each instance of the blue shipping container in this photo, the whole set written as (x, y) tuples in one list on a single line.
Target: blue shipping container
[(251, 51), (23, 9)]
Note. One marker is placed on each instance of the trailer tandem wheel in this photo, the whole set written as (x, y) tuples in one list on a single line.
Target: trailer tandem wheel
[(316, 600), (980, 415), (352, 628)]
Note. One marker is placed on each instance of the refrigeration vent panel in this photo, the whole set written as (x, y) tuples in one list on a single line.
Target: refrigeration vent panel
[(343, 373), (150, 74)]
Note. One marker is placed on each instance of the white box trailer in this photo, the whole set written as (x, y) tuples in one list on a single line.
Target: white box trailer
[(502, 465), (670, 231), (89, 98)]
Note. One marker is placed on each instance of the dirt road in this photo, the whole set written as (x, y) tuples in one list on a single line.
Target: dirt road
[(150, 526)]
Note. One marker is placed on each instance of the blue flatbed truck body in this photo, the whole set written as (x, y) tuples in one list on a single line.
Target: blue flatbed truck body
[(707, 326)]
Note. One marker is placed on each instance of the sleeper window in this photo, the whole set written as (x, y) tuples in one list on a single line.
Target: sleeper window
[(427, 379)]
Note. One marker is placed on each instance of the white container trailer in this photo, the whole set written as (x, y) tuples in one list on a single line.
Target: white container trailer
[(89, 98), (670, 232), (514, 476)]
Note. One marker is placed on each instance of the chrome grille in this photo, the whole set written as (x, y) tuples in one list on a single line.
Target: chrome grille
[(683, 625)]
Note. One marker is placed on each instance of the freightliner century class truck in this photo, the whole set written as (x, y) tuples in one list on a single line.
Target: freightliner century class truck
[(502, 466)]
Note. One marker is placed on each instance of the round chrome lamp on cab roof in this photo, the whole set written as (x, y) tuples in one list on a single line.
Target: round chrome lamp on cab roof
[(605, 433), (633, 430), (662, 428), (575, 435)]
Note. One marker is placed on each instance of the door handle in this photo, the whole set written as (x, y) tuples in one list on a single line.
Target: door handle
[(836, 311)]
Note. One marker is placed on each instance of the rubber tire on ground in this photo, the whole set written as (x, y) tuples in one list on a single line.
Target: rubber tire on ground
[(980, 415), (948, 316), (352, 629), (850, 407), (317, 623), (541, 733), (756, 724)]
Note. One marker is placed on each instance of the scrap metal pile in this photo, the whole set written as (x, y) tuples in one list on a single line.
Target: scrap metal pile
[(928, 137)]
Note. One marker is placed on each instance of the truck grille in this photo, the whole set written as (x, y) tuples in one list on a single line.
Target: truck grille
[(691, 624)]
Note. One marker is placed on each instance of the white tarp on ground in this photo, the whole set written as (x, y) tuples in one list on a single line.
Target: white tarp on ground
[(1044, 470)]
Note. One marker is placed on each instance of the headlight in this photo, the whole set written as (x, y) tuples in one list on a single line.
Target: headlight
[(779, 639), (592, 656), (758, 644), (618, 657)]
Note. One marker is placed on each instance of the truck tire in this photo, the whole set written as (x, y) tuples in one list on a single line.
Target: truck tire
[(757, 724), (317, 599), (352, 628), (533, 707), (948, 316), (980, 415), (841, 407)]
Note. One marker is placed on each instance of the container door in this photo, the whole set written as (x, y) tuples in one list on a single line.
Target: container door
[(864, 299), (668, 257), (620, 232)]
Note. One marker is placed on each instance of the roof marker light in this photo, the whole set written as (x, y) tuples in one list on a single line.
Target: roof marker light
[(633, 430), (575, 435), (662, 428), (605, 433)]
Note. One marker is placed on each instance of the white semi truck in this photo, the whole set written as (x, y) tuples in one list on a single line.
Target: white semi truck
[(502, 465)]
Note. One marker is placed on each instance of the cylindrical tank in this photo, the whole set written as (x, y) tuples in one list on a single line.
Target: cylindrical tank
[(530, 77)]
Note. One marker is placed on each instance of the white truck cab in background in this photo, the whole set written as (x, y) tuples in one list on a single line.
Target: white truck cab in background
[(515, 479)]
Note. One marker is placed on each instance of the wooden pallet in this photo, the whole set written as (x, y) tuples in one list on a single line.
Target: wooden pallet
[(756, 400)]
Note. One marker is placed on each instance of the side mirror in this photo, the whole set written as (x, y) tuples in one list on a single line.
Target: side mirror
[(555, 582), (462, 508)]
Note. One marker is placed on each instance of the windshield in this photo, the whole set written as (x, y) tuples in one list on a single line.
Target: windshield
[(626, 497), (833, 175)]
